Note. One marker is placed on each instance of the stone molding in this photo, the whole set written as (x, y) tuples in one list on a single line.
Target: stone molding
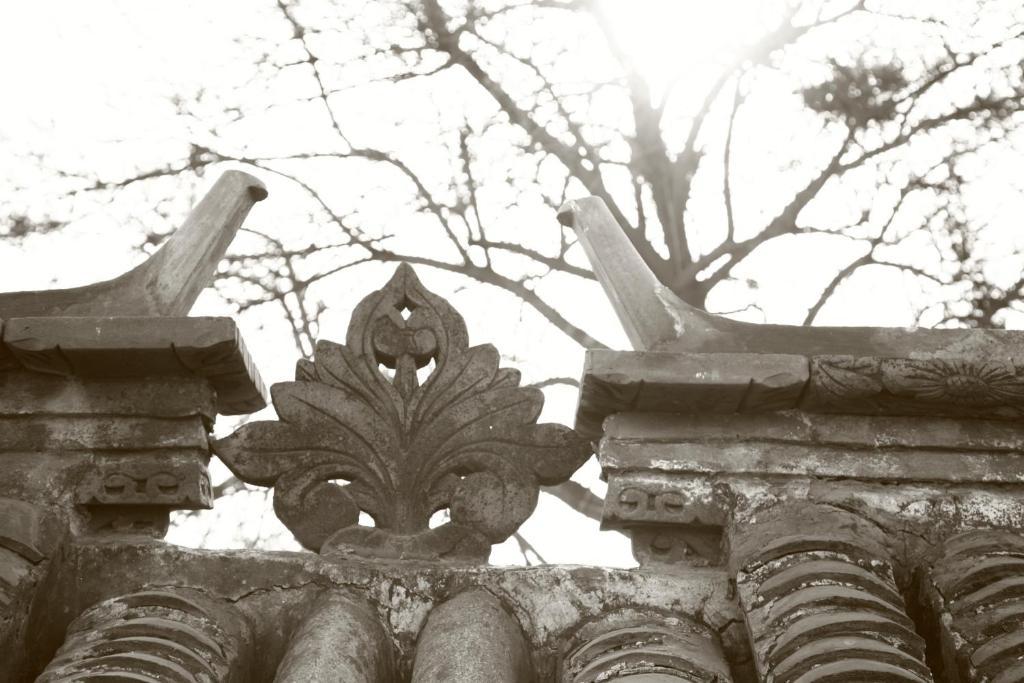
[(106, 420), (673, 479), (402, 421)]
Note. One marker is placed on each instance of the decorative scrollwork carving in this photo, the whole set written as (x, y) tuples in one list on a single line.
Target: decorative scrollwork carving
[(369, 426)]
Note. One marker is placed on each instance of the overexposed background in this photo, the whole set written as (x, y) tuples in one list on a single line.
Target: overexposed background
[(115, 118)]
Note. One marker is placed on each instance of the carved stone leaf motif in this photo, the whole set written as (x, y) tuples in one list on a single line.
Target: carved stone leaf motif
[(847, 377), (358, 432)]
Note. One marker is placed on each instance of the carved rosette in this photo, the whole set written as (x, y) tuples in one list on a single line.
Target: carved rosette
[(976, 592), (402, 421), (947, 386)]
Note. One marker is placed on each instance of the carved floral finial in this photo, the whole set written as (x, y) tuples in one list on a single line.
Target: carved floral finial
[(370, 426)]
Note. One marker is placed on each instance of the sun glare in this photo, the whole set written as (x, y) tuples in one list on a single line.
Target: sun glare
[(668, 40)]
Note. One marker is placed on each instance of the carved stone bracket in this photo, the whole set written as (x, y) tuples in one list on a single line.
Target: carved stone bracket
[(404, 420)]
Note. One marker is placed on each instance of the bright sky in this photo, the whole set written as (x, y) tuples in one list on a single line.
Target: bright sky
[(90, 87)]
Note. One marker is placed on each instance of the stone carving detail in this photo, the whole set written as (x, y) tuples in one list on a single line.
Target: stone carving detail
[(975, 591), (369, 426), (825, 600), (956, 386), (183, 485), (154, 635), (627, 645), (682, 545)]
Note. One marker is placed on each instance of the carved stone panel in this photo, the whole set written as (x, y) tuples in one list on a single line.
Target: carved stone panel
[(404, 420), (960, 386), (182, 483)]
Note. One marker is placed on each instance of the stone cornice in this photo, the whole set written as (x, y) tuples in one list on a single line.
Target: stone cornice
[(137, 347), (979, 375)]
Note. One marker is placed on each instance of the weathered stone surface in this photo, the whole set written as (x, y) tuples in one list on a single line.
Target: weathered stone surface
[(918, 477), (128, 347), (657, 320), (154, 635), (469, 639), (341, 639), (820, 599), (637, 646), (29, 539), (975, 591), (107, 454), (799, 444), (276, 590), (24, 393), (645, 498), (168, 282), (462, 438), (676, 547)]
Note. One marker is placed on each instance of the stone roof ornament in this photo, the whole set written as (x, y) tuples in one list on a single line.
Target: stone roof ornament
[(688, 360), (655, 319), (403, 420), (169, 281)]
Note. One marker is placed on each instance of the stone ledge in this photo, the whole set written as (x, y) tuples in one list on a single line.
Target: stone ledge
[(797, 444), (959, 381), (550, 602), (137, 347)]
